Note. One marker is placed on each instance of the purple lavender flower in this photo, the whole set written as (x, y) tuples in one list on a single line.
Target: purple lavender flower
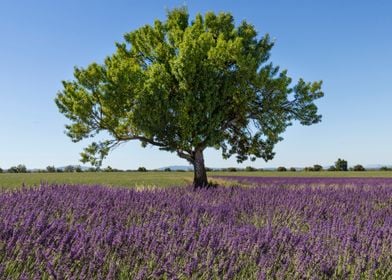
[(298, 231)]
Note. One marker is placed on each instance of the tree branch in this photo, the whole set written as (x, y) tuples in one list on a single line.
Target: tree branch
[(185, 155)]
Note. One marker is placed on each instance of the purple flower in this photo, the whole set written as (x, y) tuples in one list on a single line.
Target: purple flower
[(310, 227)]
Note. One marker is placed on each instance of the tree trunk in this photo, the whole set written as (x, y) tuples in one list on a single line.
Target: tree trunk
[(200, 174)]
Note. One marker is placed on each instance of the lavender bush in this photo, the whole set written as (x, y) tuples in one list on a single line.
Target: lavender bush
[(80, 232)]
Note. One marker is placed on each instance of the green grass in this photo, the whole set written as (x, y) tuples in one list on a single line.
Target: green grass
[(147, 179), (126, 179)]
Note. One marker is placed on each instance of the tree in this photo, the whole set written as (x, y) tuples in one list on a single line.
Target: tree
[(317, 167), (250, 169), (78, 168), (281, 169), (293, 169), (359, 167), (51, 169), (142, 169), (341, 165), (184, 86), (20, 168), (69, 168), (108, 169), (332, 168)]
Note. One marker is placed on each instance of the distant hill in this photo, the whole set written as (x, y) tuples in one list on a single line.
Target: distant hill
[(177, 167)]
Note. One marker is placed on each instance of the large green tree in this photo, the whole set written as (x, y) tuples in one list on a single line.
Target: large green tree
[(185, 86)]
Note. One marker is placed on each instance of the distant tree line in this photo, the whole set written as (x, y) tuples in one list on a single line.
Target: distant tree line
[(339, 165), (20, 168)]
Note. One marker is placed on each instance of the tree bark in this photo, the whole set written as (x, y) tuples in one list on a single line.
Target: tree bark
[(200, 174)]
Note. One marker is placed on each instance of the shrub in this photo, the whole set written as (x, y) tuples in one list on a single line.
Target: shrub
[(167, 169), (108, 169), (317, 167), (51, 169), (359, 167), (232, 169), (385, 168), (281, 169), (78, 169), (332, 168), (293, 169), (142, 169), (250, 168), (12, 169), (308, 168)]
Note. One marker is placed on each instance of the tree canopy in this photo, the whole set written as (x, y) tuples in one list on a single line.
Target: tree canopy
[(187, 85)]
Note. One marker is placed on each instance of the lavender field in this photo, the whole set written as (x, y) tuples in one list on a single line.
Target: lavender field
[(277, 231), (309, 181)]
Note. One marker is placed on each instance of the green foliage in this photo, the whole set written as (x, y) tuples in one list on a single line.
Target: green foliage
[(359, 167), (231, 169), (187, 85), (12, 169), (78, 169), (250, 168), (108, 169), (1, 170), (20, 168), (69, 168), (167, 169), (341, 165), (332, 168), (385, 168), (51, 169), (281, 169), (293, 169), (317, 167), (142, 169)]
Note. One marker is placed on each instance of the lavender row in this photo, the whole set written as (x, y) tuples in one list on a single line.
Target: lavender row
[(308, 181), (79, 232)]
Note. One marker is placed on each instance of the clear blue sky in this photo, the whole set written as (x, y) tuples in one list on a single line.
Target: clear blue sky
[(347, 44)]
